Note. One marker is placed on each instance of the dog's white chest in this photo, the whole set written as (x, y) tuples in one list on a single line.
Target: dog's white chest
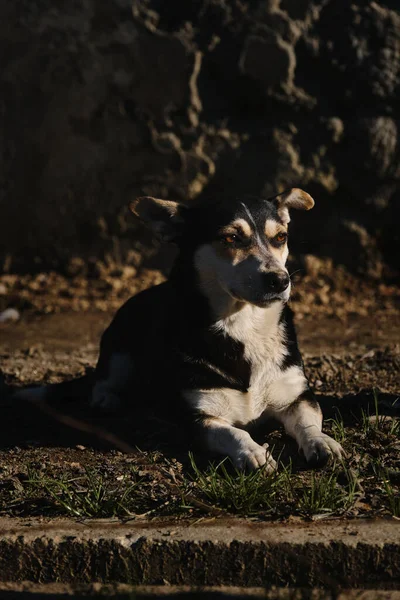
[(271, 388), (265, 350)]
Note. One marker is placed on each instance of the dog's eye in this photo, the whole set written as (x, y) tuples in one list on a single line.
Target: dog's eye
[(281, 237), (233, 239), (230, 239)]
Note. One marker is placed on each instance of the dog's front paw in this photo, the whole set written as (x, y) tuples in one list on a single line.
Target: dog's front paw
[(321, 448), (252, 457), (104, 398)]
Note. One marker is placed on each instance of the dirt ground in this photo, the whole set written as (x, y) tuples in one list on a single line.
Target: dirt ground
[(351, 348)]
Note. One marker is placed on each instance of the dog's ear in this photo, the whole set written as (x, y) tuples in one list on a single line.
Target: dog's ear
[(294, 198), (164, 217)]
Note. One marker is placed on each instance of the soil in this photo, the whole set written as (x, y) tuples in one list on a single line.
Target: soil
[(351, 349)]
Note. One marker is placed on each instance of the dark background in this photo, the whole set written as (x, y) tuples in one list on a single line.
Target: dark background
[(101, 100)]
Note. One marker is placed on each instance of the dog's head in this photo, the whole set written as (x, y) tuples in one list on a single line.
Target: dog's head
[(238, 247)]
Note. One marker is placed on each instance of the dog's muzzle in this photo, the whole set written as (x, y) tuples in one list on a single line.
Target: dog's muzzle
[(275, 282)]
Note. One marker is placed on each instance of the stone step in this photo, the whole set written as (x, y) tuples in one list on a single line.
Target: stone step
[(330, 554)]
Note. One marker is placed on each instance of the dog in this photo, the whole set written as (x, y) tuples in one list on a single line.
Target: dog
[(215, 345)]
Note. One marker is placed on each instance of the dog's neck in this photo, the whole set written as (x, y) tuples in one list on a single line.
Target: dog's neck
[(251, 322)]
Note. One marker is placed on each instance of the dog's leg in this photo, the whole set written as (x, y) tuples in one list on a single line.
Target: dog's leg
[(108, 393), (303, 421), (237, 444)]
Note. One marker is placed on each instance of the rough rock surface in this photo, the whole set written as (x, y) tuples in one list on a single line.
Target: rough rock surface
[(103, 100)]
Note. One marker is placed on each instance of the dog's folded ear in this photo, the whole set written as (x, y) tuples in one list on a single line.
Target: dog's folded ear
[(295, 198), (164, 217)]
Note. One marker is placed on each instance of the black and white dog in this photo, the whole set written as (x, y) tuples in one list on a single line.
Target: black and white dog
[(217, 339)]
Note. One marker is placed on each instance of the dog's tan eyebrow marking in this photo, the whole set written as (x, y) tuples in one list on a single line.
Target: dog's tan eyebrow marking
[(272, 228), (243, 225)]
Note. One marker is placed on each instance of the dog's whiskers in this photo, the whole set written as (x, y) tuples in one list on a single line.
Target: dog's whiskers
[(294, 272)]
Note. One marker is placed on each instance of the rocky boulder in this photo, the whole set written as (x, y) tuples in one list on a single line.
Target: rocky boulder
[(101, 101)]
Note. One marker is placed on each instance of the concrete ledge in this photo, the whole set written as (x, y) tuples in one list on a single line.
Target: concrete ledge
[(364, 554)]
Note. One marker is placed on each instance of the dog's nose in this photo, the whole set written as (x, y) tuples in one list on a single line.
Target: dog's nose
[(276, 282)]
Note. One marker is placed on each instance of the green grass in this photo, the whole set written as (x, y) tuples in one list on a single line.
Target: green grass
[(218, 488), (325, 493), (368, 425), (331, 491), (89, 495), (366, 483), (390, 493), (337, 427), (392, 496), (238, 491), (94, 494), (377, 423)]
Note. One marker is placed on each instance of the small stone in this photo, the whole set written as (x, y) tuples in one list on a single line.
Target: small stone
[(80, 447), (10, 314)]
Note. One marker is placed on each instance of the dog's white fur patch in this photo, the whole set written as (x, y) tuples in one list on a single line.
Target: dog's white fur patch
[(284, 390), (304, 423), (230, 441), (263, 337), (233, 406)]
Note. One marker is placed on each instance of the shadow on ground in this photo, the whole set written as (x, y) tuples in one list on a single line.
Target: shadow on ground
[(30, 423)]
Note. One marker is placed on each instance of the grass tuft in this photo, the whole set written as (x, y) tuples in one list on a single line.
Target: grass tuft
[(393, 497), (338, 430), (89, 495), (330, 491), (391, 494), (238, 491), (326, 495), (377, 423)]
